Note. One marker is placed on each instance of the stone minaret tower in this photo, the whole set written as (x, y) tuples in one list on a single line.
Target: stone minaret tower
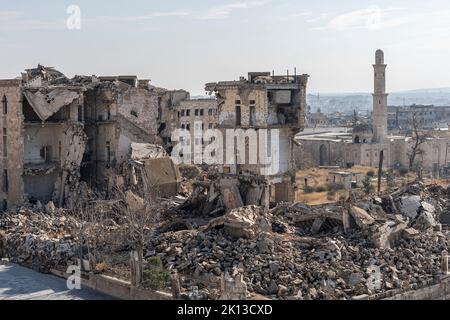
[(379, 99)]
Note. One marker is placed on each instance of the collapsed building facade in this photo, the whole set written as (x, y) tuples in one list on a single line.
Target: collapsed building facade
[(257, 107), (61, 134)]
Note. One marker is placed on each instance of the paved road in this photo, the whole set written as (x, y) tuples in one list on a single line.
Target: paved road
[(17, 283)]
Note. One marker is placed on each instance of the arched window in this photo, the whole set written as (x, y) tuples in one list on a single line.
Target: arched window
[(323, 155), (5, 104)]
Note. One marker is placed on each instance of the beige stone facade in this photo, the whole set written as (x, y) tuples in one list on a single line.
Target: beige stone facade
[(11, 153), (262, 101)]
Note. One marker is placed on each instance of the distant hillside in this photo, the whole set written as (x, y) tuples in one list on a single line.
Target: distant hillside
[(363, 101)]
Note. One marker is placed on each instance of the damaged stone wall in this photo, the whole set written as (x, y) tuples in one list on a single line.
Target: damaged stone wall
[(227, 114), (168, 101), (75, 141), (140, 106), (11, 166)]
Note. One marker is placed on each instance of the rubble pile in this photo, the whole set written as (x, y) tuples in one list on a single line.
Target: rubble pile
[(338, 251), (38, 240), (331, 252)]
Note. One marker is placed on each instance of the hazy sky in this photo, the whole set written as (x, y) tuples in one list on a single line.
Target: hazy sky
[(184, 44)]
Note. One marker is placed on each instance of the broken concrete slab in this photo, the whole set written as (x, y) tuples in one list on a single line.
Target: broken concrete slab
[(425, 221), (47, 103), (361, 217), (141, 151), (134, 202), (231, 197), (409, 205), (387, 234)]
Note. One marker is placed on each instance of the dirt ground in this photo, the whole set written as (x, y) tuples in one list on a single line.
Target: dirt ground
[(317, 177)]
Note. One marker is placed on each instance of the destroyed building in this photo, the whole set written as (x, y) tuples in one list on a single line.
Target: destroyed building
[(263, 103), (59, 131)]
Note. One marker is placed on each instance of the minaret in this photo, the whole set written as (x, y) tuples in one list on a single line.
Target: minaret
[(379, 99)]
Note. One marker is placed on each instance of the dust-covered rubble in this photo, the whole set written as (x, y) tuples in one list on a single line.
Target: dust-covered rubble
[(360, 248), (298, 252)]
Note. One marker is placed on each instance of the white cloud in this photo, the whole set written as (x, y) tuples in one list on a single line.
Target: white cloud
[(303, 14), (138, 18), (224, 11), (320, 17), (16, 21), (372, 18)]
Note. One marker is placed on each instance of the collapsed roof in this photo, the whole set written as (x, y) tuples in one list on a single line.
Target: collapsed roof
[(47, 102)]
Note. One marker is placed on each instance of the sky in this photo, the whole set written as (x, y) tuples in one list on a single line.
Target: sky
[(183, 44)]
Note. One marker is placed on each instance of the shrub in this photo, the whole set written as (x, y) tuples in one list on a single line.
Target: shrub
[(367, 185), (321, 189), (154, 276), (402, 171), (371, 173)]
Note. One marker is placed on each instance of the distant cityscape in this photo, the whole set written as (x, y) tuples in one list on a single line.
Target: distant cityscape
[(362, 102)]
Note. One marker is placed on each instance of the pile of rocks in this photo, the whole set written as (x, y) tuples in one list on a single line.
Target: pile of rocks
[(297, 252), (38, 240)]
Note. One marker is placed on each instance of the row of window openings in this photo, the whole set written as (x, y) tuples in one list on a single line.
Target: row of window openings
[(251, 102), (252, 119), (198, 141), (188, 126), (197, 112)]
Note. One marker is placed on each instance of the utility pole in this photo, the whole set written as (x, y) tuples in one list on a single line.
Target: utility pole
[(380, 170)]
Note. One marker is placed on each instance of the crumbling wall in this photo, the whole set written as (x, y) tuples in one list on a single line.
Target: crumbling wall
[(140, 106), (12, 165), (167, 103), (41, 186), (227, 109), (74, 138), (38, 136)]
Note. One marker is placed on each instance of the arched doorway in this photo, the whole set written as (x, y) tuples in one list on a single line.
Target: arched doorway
[(323, 155), (357, 139)]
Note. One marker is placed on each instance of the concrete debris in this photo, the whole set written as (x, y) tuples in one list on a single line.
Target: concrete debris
[(40, 241), (134, 203), (291, 251), (362, 218), (141, 151), (409, 206), (233, 288), (48, 102), (313, 257)]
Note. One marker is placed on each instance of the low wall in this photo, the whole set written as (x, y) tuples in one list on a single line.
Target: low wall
[(116, 288), (434, 292)]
